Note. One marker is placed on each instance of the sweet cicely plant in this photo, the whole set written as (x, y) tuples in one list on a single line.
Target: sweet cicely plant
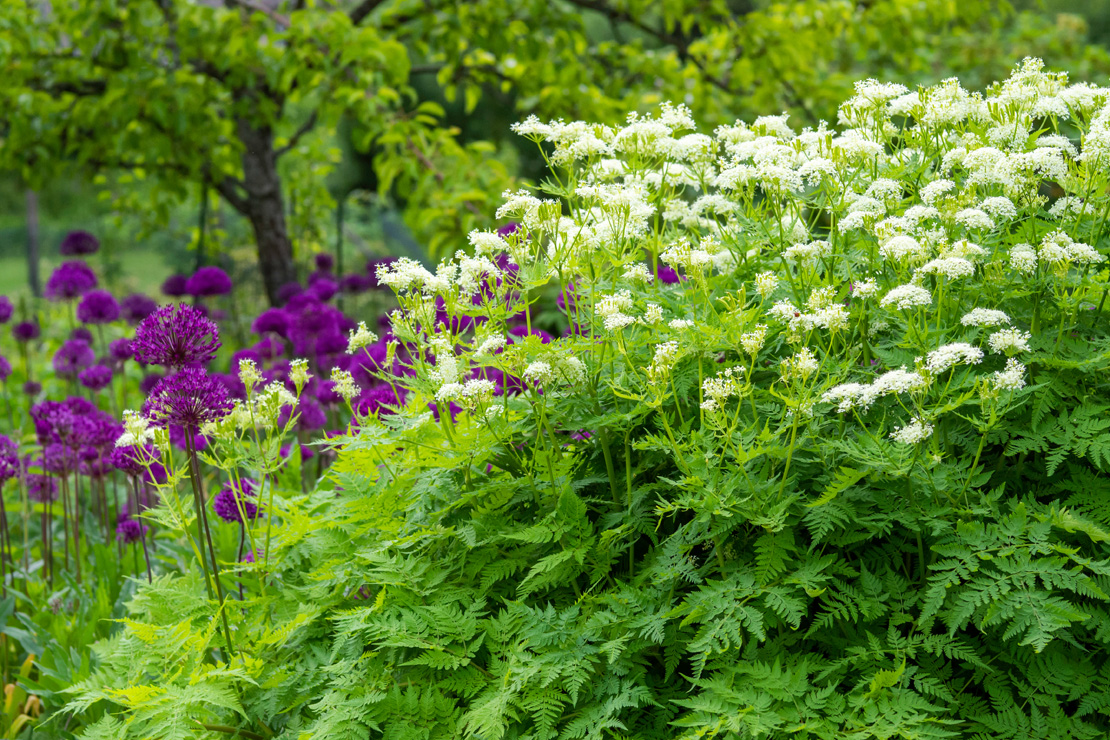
[(820, 453)]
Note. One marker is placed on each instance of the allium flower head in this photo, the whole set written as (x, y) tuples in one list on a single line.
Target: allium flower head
[(98, 307), (130, 530), (72, 357), (95, 378), (25, 331), (209, 280), (189, 398), (228, 501), (6, 309), (9, 458), (175, 336), (137, 307), (324, 262), (5, 368), (42, 488), (175, 286), (77, 243), (121, 350), (70, 280)]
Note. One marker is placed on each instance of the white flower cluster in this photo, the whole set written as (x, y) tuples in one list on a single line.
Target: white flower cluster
[(984, 317), (861, 396), (613, 310), (918, 430), (718, 389), (948, 356), (907, 296), (1009, 341)]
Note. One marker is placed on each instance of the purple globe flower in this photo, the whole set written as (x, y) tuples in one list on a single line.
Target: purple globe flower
[(287, 291), (9, 458), (72, 357), (42, 488), (70, 280), (82, 334), (6, 309), (5, 368), (354, 284), (380, 399), (324, 289), (522, 332), (32, 388), (174, 286), (77, 243), (269, 348), (324, 262), (668, 275), (312, 416), (130, 530), (121, 350), (149, 383), (175, 336), (137, 307), (209, 280), (273, 320), (98, 307), (95, 378), (131, 459), (189, 398), (227, 502), (25, 331)]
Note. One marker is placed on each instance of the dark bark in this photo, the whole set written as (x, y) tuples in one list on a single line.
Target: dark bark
[(258, 198), (33, 243)]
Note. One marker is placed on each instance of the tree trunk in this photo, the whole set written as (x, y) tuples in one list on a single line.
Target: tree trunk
[(33, 243), (262, 205)]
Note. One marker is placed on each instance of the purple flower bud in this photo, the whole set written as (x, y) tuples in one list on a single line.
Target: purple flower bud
[(137, 307), (6, 309), (95, 378), (77, 243), (209, 280), (25, 331), (70, 280), (98, 307), (175, 286)]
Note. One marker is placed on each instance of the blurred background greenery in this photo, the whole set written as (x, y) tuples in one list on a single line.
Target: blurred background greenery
[(594, 59)]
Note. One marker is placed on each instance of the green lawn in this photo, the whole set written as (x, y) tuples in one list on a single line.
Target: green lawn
[(141, 270)]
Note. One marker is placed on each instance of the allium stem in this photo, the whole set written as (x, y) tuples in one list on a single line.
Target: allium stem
[(142, 530), (206, 533)]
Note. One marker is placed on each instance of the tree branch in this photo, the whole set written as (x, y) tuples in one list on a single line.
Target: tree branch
[(304, 129), (363, 9), (430, 166)]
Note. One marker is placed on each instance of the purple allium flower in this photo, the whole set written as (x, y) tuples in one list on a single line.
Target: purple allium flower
[(269, 348), (326, 394), (522, 332), (70, 280), (174, 286), (287, 291), (668, 275), (25, 331), (137, 307), (32, 388), (354, 284), (274, 320), (82, 334), (95, 378), (188, 398), (130, 530), (175, 336), (209, 280), (5, 368), (98, 307), (226, 503), (379, 400), (78, 243), (325, 262), (149, 383), (121, 350), (42, 488), (311, 418), (6, 309), (372, 266), (131, 460), (324, 289), (72, 357), (245, 354), (9, 458)]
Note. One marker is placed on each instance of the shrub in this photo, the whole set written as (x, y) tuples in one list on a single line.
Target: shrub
[(838, 476)]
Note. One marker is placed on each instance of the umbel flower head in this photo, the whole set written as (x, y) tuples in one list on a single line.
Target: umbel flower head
[(188, 398), (176, 336)]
